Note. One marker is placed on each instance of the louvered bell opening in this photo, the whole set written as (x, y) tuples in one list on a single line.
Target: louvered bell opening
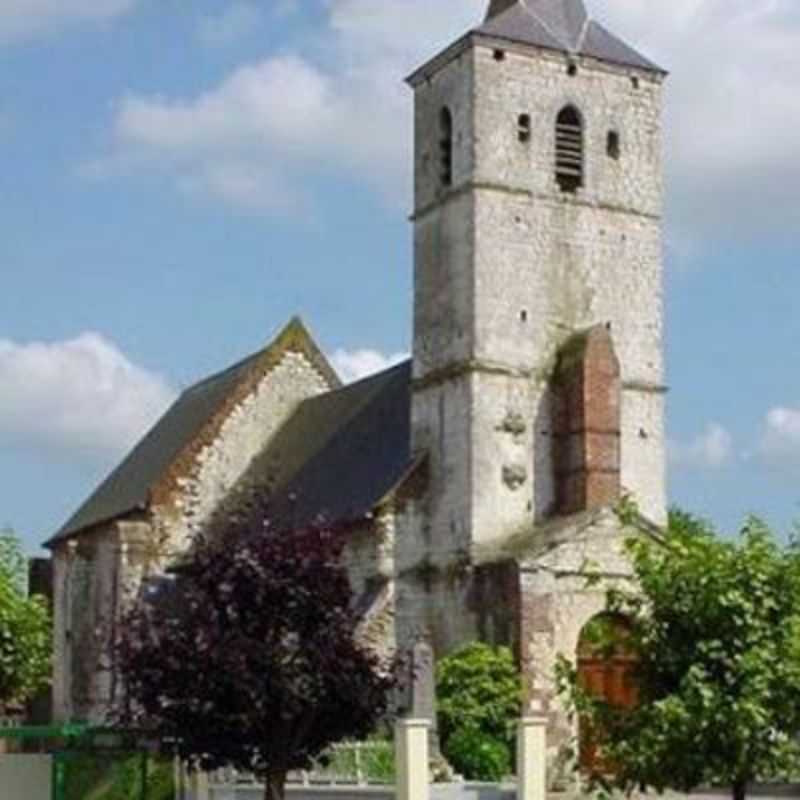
[(446, 148), (446, 162), (569, 154)]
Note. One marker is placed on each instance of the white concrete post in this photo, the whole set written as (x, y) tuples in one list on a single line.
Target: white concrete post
[(359, 771), (411, 758), (532, 758), (177, 777), (200, 786)]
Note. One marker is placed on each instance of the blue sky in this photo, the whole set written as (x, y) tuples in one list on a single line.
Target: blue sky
[(178, 178)]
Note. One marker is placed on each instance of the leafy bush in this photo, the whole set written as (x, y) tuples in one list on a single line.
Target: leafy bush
[(715, 634), (116, 776), (478, 694), (379, 763), (478, 756), (25, 632)]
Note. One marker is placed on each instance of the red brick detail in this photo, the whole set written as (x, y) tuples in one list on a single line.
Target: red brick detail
[(587, 391)]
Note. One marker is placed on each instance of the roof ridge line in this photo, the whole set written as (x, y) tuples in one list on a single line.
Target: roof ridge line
[(371, 376), (584, 33), (529, 10), (202, 382)]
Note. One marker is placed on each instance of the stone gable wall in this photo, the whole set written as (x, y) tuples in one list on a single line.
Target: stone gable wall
[(94, 581), (242, 435)]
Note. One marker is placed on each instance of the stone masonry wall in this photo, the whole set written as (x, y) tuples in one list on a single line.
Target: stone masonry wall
[(242, 435), (508, 267), (558, 600), (95, 576), (61, 670), (369, 553), (101, 571), (443, 237), (574, 261), (452, 607)]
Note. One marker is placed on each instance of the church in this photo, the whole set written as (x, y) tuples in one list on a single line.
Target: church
[(481, 483)]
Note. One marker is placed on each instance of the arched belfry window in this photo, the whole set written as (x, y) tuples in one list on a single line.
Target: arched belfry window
[(446, 147), (569, 149)]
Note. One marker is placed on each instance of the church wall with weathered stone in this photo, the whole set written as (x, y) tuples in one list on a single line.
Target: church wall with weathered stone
[(574, 260), (227, 447), (369, 552), (511, 467), (443, 236), (564, 580), (453, 606), (441, 430), (508, 268), (452, 87), (61, 663), (95, 575)]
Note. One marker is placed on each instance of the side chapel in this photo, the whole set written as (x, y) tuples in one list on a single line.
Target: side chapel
[(480, 482)]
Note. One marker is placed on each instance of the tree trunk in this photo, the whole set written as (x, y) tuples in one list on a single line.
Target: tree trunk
[(740, 790), (275, 785)]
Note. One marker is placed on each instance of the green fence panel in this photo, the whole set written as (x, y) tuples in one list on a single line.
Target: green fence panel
[(97, 763), (116, 776)]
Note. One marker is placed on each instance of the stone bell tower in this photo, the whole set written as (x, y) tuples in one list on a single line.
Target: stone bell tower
[(537, 218)]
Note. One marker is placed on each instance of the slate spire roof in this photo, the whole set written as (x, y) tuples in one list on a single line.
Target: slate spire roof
[(559, 25)]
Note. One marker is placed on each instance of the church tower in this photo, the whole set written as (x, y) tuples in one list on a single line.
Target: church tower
[(537, 236)]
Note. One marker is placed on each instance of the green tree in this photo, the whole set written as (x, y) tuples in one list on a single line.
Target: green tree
[(478, 693), (25, 630), (715, 626)]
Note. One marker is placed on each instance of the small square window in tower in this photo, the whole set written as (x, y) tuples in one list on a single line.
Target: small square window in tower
[(524, 128), (569, 150), (613, 146)]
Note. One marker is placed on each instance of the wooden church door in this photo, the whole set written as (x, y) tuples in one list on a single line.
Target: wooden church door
[(606, 670)]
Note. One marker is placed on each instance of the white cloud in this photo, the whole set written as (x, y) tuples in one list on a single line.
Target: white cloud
[(21, 19), (247, 139), (780, 437), (81, 396), (352, 365), (712, 449), (732, 154), (251, 139), (733, 107), (237, 21)]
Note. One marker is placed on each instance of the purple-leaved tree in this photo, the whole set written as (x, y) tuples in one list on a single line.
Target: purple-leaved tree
[(250, 659)]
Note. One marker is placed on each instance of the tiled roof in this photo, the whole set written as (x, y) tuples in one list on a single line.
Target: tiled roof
[(559, 25), (128, 488), (337, 457)]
